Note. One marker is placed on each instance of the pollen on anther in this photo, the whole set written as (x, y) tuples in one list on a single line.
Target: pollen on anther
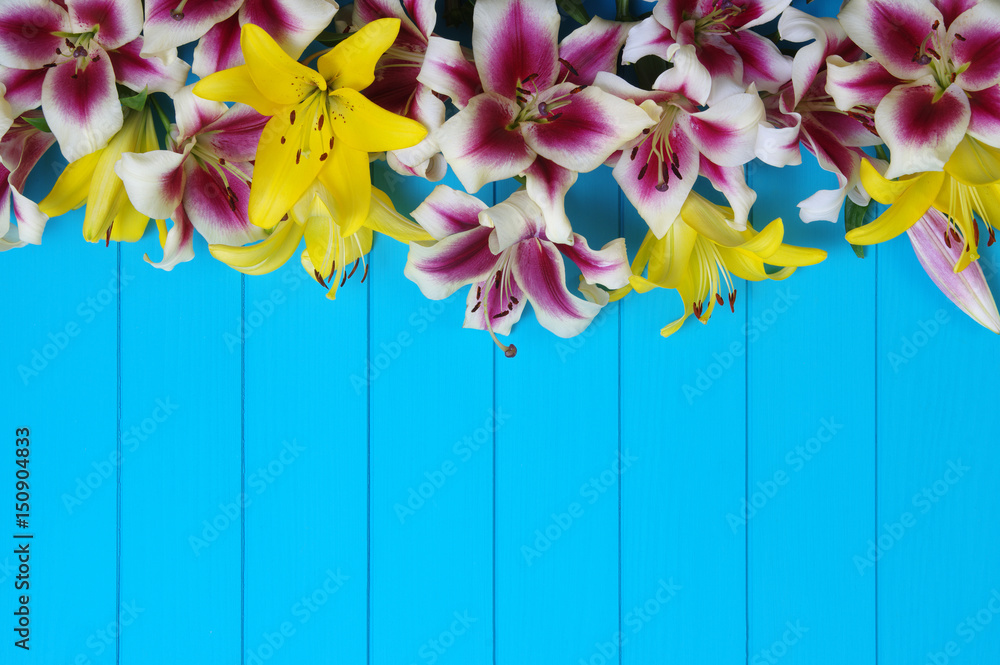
[(298, 155), (478, 304), (323, 157), (291, 116), (282, 140), (642, 171)]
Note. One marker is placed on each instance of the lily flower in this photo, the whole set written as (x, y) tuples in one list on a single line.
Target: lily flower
[(505, 254), (20, 149), (331, 256), (716, 35), (932, 77), (700, 247), (203, 181), (322, 127), (658, 169), (67, 56), (294, 24), (92, 180), (967, 289), (969, 186), (538, 115), (397, 88), (804, 112)]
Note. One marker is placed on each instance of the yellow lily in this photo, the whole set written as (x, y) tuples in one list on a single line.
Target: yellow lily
[(322, 126), (968, 185), (699, 247), (329, 251), (92, 180)]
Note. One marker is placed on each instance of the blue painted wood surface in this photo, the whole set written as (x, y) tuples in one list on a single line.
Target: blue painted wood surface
[(236, 470)]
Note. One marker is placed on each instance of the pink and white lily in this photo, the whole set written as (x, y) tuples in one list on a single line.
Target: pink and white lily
[(507, 257), (539, 115), (396, 87), (716, 33), (932, 76), (67, 56), (803, 111), (203, 181), (968, 289), (294, 24), (20, 149), (657, 170)]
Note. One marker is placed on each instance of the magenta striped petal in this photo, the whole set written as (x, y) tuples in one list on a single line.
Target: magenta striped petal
[(862, 83), (82, 107), (514, 39), (447, 211), (478, 145), (451, 263), (26, 27), (608, 266), (967, 289), (731, 181), (647, 38), (672, 14), (920, 133), (164, 72), (848, 130), (120, 21), (154, 181), (592, 48), (892, 32), (726, 132), (219, 49), (984, 123), (515, 219), (394, 86), (588, 130), (193, 113), (235, 135), (294, 24), (547, 184), (979, 47), (826, 37), (658, 194), (687, 77), (423, 14), (950, 9), (763, 63), (757, 12), (447, 71), (179, 246), (21, 149), (218, 210), (504, 309), (538, 269), (163, 30), (24, 88), (410, 35), (724, 65)]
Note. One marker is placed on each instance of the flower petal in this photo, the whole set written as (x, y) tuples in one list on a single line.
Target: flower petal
[(383, 218), (265, 256), (365, 126), (515, 219), (451, 263), (179, 245), (447, 211), (503, 313), (194, 113), (825, 37), (347, 176), (592, 48), (547, 184), (763, 64), (590, 128), (164, 72), (236, 85), (687, 77), (23, 88), (82, 107), (234, 136), (921, 133), (447, 71), (909, 206), (978, 48), (366, 11), (649, 37), (538, 269), (163, 30), (984, 123), (863, 83), (280, 78), (219, 48), (514, 39), (120, 21), (293, 24), (154, 181), (351, 63), (726, 132), (608, 266), (892, 32), (731, 181), (478, 145), (283, 171), (26, 27)]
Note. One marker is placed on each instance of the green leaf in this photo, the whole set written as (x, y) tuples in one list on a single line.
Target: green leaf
[(39, 124), (136, 102), (574, 9), (857, 215), (880, 151), (622, 11)]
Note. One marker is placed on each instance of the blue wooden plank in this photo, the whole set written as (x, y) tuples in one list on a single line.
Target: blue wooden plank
[(306, 468), (557, 505), (431, 387), (811, 424), (683, 415), (180, 538), (59, 374), (934, 548)]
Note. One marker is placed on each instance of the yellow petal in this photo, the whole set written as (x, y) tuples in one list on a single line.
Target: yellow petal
[(107, 196), (709, 220), (321, 241), (348, 178), (351, 63), (383, 218), (278, 77), (974, 163), (288, 161), (764, 244), (366, 126), (672, 255), (908, 207), (72, 186), (793, 255), (236, 85), (886, 191), (129, 224), (265, 256)]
